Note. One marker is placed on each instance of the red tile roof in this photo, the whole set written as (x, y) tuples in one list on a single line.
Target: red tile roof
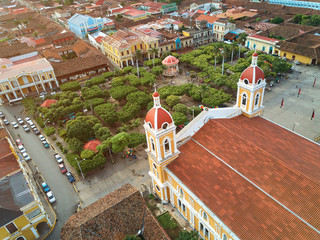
[(92, 145), (221, 159), (47, 103), (99, 39), (265, 38), (209, 19), (8, 162), (251, 71), (157, 117), (39, 41)]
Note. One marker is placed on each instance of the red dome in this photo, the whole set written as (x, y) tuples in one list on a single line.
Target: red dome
[(155, 94), (252, 73), (255, 54), (158, 116), (170, 60)]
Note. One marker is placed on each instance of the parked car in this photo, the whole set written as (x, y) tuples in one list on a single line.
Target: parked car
[(51, 197), (6, 122), (36, 131), (42, 138), (30, 122), (26, 128), (27, 119), (58, 158), (45, 187), (45, 144), (1, 115), (26, 156), (15, 124), (33, 126), (62, 168), (20, 121), (18, 141), (70, 177), (21, 149)]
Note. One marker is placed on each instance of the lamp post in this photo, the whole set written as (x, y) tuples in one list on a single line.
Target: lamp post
[(222, 52), (80, 168)]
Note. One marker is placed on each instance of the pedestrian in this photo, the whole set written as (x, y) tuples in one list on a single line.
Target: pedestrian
[(18, 135)]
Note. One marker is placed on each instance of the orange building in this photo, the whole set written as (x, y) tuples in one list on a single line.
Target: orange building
[(233, 174)]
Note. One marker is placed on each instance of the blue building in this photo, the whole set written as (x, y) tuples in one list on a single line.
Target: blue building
[(300, 4), (82, 24)]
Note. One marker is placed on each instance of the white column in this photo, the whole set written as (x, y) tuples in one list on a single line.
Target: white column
[(34, 231), (35, 84), (20, 88), (238, 91), (13, 90), (251, 101), (149, 56), (132, 62), (50, 85), (127, 61), (7, 97), (262, 97), (121, 65), (54, 76), (41, 81)]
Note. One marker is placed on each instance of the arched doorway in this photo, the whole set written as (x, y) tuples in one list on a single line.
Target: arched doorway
[(43, 228), (21, 238)]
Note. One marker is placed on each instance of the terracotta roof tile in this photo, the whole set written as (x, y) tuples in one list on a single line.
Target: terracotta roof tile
[(269, 156)]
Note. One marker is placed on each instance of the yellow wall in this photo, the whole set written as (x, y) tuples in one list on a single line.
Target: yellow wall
[(302, 59), (260, 44), (240, 97)]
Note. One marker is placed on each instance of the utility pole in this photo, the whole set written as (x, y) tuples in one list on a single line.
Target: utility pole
[(79, 168)]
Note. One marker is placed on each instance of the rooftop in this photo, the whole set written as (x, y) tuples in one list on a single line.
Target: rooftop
[(254, 177), (118, 214), (209, 19), (8, 161), (264, 38)]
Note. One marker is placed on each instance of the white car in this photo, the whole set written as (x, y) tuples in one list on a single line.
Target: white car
[(51, 197), (42, 138), (26, 128), (58, 158), (27, 119), (6, 122), (15, 124), (26, 156), (33, 126), (30, 122), (22, 149), (20, 121)]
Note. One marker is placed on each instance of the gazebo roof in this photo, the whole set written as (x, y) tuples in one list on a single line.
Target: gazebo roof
[(47, 103), (170, 60)]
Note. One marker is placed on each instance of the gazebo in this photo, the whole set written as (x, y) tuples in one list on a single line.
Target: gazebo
[(172, 66)]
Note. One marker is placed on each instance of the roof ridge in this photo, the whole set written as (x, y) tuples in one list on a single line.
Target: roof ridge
[(255, 185)]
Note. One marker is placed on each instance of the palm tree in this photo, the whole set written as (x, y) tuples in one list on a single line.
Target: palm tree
[(153, 51), (138, 56), (232, 46), (214, 50), (242, 39), (223, 53)]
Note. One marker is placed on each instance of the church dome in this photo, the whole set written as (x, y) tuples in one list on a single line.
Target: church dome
[(170, 60), (253, 73), (158, 116)]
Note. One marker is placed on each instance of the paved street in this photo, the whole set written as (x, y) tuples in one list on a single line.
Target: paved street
[(67, 199), (297, 111)]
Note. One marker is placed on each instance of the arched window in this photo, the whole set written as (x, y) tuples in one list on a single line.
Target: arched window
[(164, 126), (181, 192), (244, 99), (7, 87), (256, 101), (224, 237), (153, 146), (166, 146), (246, 81), (150, 125)]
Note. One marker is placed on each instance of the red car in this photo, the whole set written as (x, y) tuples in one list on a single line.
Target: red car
[(62, 168), (19, 142)]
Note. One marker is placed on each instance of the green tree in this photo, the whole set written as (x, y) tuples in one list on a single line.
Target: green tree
[(281, 66), (153, 51), (107, 113), (157, 70), (120, 142), (185, 235), (258, 19), (233, 46), (70, 86), (315, 20), (180, 108), (135, 139), (132, 237), (121, 92), (277, 20), (179, 118), (297, 18), (214, 50), (138, 57), (172, 100), (129, 112), (140, 98), (87, 154), (75, 145), (79, 129)]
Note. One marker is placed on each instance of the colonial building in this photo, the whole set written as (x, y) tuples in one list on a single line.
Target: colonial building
[(121, 46), (221, 27), (17, 80), (83, 24), (300, 4), (23, 215), (261, 43), (233, 174), (201, 34)]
